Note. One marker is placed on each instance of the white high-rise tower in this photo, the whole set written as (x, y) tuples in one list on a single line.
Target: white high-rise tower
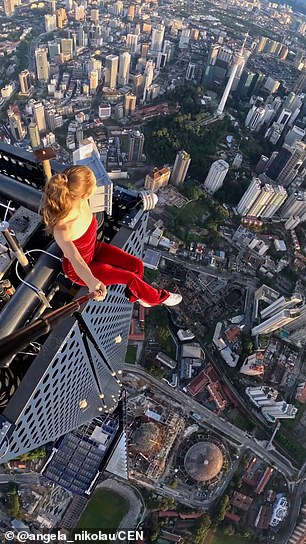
[(238, 59)]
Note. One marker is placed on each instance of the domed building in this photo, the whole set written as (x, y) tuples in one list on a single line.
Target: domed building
[(147, 437), (203, 461)]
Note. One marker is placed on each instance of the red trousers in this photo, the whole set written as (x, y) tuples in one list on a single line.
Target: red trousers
[(113, 266)]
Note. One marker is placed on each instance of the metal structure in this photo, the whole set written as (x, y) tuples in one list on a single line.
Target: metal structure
[(73, 375)]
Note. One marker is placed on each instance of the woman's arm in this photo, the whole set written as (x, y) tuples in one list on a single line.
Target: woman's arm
[(78, 263)]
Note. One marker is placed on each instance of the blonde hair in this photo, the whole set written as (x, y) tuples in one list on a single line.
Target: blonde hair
[(60, 192)]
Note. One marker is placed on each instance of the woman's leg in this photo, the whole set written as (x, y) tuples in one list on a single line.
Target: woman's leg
[(108, 254), (137, 288)]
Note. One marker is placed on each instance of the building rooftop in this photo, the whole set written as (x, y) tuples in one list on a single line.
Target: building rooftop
[(203, 461)]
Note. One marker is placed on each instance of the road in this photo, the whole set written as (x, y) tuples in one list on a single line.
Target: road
[(237, 277), (22, 478), (282, 464)]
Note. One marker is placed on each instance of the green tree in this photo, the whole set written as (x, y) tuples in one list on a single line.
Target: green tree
[(229, 530)]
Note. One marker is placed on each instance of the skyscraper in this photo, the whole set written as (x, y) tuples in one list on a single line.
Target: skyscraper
[(75, 377), (148, 78), (288, 163), (255, 118), (88, 155), (16, 125), (93, 81), (54, 49), (67, 48), (132, 42), (39, 116), (9, 7), (111, 69), (129, 104), (136, 141), (34, 135), (157, 179), (280, 319), (25, 83), (277, 200), (215, 177), (260, 205), (61, 17), (249, 197), (42, 64), (94, 15), (124, 68), (50, 22), (295, 205), (157, 38), (294, 135), (180, 168)]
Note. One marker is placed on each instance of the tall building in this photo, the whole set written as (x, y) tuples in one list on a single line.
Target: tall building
[(295, 134), (277, 321), (79, 12), (215, 177), (282, 303), (25, 82), (54, 49), (255, 118), (88, 155), (288, 163), (50, 22), (61, 18), (75, 377), (279, 410), (238, 62), (295, 205), (93, 81), (184, 39), (262, 165), (34, 135), (180, 168), (9, 7), (81, 37), (297, 329), (129, 104), (67, 48), (95, 64), (132, 43), (265, 398), (136, 142), (157, 38), (277, 200), (266, 196), (190, 72), (42, 64), (249, 197), (16, 125), (284, 117), (148, 78), (124, 68), (158, 179), (111, 69), (94, 15), (39, 116)]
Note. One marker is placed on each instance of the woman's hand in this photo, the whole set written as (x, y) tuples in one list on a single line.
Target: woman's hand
[(96, 285)]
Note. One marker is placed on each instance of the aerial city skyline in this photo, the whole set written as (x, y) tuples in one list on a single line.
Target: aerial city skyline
[(184, 423)]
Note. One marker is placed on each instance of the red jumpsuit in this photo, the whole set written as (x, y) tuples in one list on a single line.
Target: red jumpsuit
[(113, 266)]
